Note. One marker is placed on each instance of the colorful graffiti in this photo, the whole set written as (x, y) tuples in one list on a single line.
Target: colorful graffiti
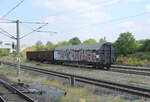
[(72, 55)]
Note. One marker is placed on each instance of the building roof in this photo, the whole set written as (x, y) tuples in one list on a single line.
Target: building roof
[(82, 47)]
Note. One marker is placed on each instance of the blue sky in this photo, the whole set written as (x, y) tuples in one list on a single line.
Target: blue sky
[(82, 18)]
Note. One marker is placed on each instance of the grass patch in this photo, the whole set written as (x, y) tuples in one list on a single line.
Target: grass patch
[(133, 61), (74, 94), (136, 59)]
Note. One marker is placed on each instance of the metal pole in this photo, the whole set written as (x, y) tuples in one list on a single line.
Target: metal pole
[(18, 49)]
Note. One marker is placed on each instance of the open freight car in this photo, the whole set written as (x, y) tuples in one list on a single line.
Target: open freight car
[(97, 55), (42, 56)]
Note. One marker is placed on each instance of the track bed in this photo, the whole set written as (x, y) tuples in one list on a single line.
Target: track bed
[(9, 94)]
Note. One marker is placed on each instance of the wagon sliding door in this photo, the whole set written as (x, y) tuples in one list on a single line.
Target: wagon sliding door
[(107, 53)]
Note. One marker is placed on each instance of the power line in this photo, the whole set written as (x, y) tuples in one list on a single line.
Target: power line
[(46, 31), (40, 30), (113, 20), (124, 18), (7, 22), (12, 9), (7, 34), (33, 31), (34, 22)]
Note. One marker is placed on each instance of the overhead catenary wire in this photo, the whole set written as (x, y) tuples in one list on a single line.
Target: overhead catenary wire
[(7, 34), (5, 31), (112, 20), (40, 31), (34, 31), (12, 9), (10, 20), (6, 22), (33, 22), (45, 23), (125, 18), (46, 31)]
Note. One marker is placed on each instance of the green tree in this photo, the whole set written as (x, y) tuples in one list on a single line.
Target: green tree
[(125, 44), (103, 40), (4, 52), (75, 41), (89, 41), (64, 43), (49, 45), (145, 45), (40, 46), (1, 42)]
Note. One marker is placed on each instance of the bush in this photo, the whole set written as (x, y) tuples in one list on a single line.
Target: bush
[(132, 61), (145, 45), (4, 52), (140, 55), (125, 44)]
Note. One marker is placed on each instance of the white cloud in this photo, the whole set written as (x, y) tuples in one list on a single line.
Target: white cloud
[(76, 13), (76, 17), (135, 0), (81, 18), (147, 20), (73, 5), (83, 8), (148, 7), (127, 24), (67, 5), (9, 27)]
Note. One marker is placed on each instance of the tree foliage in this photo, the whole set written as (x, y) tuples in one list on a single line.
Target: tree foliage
[(1, 42), (49, 45), (144, 45), (40, 46), (103, 40), (75, 41), (125, 44), (64, 43), (89, 41), (4, 52)]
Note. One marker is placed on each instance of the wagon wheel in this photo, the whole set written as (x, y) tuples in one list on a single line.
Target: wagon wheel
[(107, 68)]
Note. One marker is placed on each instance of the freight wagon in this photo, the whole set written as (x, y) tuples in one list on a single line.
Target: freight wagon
[(41, 56), (97, 55)]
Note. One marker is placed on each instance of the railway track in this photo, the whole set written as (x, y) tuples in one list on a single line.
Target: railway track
[(121, 69), (130, 68), (9, 93), (141, 91), (130, 71)]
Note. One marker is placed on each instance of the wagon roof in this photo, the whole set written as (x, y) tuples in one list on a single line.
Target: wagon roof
[(82, 47)]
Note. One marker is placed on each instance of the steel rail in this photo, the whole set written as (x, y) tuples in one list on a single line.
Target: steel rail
[(2, 99), (141, 91), (16, 91), (130, 68), (127, 71)]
